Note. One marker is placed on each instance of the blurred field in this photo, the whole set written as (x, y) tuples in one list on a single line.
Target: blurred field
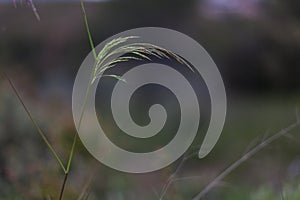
[(257, 51)]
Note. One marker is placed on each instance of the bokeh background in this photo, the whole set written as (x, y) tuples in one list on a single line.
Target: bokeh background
[(255, 44)]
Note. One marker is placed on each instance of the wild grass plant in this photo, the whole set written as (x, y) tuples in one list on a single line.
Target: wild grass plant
[(140, 51), (127, 52)]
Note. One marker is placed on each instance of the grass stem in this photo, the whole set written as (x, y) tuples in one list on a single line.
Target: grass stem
[(85, 99), (244, 158), (88, 29), (38, 129), (63, 186)]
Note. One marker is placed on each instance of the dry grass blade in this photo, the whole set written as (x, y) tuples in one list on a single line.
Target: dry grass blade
[(86, 189), (30, 4), (244, 158)]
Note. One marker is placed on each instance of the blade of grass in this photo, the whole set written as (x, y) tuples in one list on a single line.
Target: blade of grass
[(86, 187), (85, 101), (38, 129), (88, 89), (89, 86), (63, 186), (34, 10), (88, 29), (244, 158), (32, 5)]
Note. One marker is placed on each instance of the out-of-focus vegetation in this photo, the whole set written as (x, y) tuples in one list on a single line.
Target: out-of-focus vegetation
[(255, 44)]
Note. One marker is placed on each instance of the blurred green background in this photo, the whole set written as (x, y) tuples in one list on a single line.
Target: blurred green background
[(255, 44)]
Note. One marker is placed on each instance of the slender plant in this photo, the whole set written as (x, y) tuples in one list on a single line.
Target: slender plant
[(103, 61), (127, 52), (246, 156)]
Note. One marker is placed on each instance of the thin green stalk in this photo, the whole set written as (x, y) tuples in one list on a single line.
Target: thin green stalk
[(40, 132), (79, 124), (71, 153), (88, 29), (85, 100), (89, 86), (75, 136)]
